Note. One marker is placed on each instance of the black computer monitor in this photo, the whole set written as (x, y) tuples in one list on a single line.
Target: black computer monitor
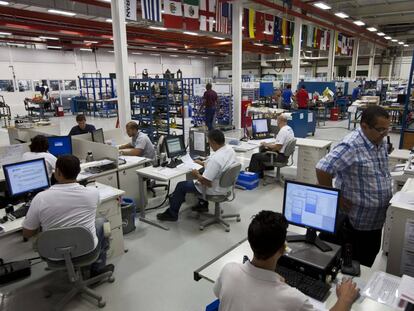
[(59, 145), (312, 207), (27, 177), (98, 136), (175, 146), (199, 145), (260, 126)]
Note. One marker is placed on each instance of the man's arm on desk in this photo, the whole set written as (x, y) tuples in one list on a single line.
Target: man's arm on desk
[(31, 223), (132, 152), (272, 147), (201, 179), (126, 146), (347, 292)]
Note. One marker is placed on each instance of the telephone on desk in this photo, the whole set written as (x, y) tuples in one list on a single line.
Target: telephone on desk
[(174, 162), (14, 212)]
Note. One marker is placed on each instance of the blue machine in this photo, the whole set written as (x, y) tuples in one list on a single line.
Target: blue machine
[(266, 89), (319, 87), (303, 122)]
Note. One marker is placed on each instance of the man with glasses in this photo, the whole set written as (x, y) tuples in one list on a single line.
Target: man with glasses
[(359, 164)]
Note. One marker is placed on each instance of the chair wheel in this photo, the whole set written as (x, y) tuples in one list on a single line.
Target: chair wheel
[(111, 279), (238, 219), (201, 228), (101, 304), (227, 229)]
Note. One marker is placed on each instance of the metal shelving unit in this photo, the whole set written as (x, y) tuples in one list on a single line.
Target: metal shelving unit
[(407, 105)]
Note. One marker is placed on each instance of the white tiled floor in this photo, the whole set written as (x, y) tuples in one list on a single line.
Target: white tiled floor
[(156, 273)]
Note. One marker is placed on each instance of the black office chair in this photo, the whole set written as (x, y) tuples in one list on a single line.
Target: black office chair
[(152, 185)]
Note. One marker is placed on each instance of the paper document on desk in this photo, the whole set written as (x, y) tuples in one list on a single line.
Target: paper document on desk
[(133, 159), (406, 288), (407, 256), (403, 197), (166, 171), (383, 288), (189, 163)]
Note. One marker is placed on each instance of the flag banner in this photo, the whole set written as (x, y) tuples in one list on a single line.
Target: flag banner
[(251, 23), (284, 31), (191, 14), (207, 14), (269, 27), (328, 40), (173, 14), (277, 37), (151, 10), (260, 26), (291, 33), (245, 23), (223, 16), (131, 10), (304, 35), (309, 39)]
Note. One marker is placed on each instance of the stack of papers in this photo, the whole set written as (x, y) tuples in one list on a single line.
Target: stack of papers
[(406, 289), (189, 163)]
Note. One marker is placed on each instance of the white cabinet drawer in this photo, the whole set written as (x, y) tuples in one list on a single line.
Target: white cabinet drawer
[(116, 243), (109, 209), (110, 180)]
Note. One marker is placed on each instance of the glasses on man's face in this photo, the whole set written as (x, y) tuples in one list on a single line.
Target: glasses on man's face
[(381, 130)]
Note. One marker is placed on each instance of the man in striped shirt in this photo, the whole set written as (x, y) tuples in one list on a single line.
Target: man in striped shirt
[(359, 164)]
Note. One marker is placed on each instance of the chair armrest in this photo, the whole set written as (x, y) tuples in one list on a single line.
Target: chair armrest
[(273, 155), (204, 192)]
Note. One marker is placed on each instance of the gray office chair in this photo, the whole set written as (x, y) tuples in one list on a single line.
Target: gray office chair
[(70, 249), (152, 185), (273, 163), (228, 179)]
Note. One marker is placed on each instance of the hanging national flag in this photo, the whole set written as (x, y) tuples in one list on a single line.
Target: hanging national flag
[(260, 26), (328, 40), (251, 23), (191, 14), (277, 37), (318, 38), (245, 23), (284, 31), (173, 14), (291, 34), (151, 10), (304, 35), (323, 41), (269, 27), (223, 17), (309, 39), (207, 14)]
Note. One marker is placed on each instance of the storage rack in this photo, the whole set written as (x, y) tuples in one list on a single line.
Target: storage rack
[(224, 111), (158, 106), (188, 85), (408, 106)]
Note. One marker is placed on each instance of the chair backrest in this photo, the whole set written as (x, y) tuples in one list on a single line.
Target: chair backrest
[(55, 243), (290, 147), (160, 144), (229, 177)]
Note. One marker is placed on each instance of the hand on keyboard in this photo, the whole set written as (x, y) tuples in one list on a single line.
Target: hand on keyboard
[(347, 292)]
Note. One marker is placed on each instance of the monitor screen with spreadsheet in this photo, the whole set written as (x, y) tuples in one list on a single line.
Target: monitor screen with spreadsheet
[(26, 177), (175, 146), (259, 126), (59, 145), (310, 206)]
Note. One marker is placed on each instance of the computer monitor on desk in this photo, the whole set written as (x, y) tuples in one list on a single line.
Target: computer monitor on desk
[(260, 128), (199, 144), (312, 207), (59, 145), (175, 148), (26, 178), (98, 136)]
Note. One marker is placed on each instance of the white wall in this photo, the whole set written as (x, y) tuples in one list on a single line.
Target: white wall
[(60, 65), (402, 69)]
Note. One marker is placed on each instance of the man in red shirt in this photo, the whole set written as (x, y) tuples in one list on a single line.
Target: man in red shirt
[(302, 98), (210, 101)]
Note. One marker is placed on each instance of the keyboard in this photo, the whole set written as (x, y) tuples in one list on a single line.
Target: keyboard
[(20, 212), (310, 286), (263, 137), (174, 163)]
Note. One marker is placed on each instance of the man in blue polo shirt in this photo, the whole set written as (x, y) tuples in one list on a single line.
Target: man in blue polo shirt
[(82, 127)]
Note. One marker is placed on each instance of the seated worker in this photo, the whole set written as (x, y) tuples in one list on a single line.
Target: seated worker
[(82, 127), (283, 137), (256, 286), (214, 168), (39, 149), (302, 98), (141, 145), (68, 204)]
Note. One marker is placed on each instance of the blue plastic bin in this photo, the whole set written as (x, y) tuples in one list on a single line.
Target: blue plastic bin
[(214, 306), (248, 180)]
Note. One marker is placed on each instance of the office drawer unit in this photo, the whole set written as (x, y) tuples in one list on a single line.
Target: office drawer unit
[(108, 179)]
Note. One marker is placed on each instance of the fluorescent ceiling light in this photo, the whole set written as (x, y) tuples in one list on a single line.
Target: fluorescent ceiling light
[(4, 3), (49, 38), (66, 13), (401, 43), (190, 33), (191, 50), (91, 42), (111, 52), (273, 46), (287, 48), (191, 56), (54, 47), (150, 47), (205, 57), (137, 53), (388, 37), (86, 50), (16, 44), (172, 49), (108, 20), (394, 40), (372, 29), (406, 45), (342, 15), (5, 34), (107, 1), (157, 28), (219, 38), (359, 23), (322, 5), (258, 44), (173, 55), (155, 54), (224, 53), (308, 52), (381, 34)]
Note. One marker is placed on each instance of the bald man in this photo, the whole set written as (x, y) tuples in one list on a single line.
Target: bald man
[(283, 137), (140, 145)]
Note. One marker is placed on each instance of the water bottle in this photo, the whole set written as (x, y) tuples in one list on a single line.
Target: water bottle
[(89, 156)]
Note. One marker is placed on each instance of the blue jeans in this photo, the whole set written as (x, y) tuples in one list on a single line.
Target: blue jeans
[(103, 245), (178, 196), (210, 113)]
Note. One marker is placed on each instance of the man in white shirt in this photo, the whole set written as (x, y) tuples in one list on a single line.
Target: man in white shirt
[(140, 145), (283, 137), (68, 204), (39, 149), (255, 286), (214, 168)]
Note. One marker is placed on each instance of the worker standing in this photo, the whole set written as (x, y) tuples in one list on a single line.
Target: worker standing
[(210, 100)]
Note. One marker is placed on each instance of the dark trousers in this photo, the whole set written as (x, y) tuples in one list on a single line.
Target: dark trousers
[(258, 160), (178, 196), (210, 113), (103, 245), (365, 244)]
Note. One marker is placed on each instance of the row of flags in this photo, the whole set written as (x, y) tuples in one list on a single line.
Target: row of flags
[(216, 16)]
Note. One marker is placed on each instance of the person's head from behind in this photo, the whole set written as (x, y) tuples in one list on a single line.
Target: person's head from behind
[(282, 120), (288, 86), (216, 139), (303, 87), (132, 128), (81, 120), (375, 123), (208, 86), (360, 86), (267, 235), (39, 144), (67, 168)]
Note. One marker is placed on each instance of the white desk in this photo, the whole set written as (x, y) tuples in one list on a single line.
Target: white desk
[(109, 208), (398, 156), (211, 271)]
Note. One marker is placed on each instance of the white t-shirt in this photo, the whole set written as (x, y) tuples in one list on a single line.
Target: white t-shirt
[(244, 287), (64, 205), (50, 159), (142, 141), (215, 166), (284, 136)]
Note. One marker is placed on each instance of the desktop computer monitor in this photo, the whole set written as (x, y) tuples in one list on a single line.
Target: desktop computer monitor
[(59, 145), (28, 177), (98, 136), (175, 146), (312, 207), (199, 144), (260, 126)]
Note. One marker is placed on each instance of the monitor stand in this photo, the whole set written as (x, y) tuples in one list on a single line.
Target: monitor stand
[(310, 238)]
